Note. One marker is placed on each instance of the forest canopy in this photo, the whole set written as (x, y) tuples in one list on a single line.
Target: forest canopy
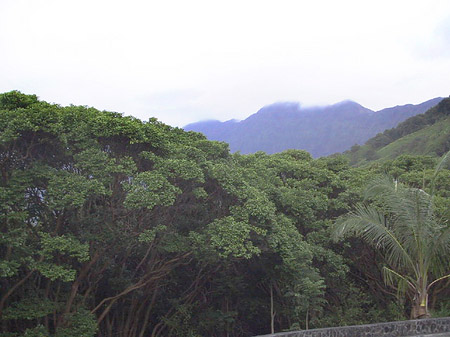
[(115, 226)]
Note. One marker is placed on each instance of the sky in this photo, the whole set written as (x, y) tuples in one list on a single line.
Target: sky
[(190, 60)]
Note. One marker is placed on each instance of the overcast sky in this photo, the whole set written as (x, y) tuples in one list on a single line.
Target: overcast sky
[(189, 60)]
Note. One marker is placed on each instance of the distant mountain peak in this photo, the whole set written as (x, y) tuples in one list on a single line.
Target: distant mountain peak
[(320, 130), (347, 102), (280, 107)]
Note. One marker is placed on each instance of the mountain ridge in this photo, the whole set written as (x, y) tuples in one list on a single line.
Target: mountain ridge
[(320, 130)]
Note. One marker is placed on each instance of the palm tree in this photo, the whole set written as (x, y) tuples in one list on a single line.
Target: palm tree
[(414, 245)]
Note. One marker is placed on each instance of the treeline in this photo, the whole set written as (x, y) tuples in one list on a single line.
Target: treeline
[(111, 226)]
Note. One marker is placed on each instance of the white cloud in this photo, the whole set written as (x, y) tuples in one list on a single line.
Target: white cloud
[(182, 61), (436, 45)]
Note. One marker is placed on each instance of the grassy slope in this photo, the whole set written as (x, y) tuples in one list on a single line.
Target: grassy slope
[(427, 141), (424, 134), (431, 140)]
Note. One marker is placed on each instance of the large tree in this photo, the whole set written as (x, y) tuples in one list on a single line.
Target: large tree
[(111, 225)]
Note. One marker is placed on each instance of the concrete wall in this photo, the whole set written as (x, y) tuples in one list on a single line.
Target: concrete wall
[(421, 327)]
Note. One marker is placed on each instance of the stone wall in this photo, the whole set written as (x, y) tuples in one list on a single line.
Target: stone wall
[(421, 327)]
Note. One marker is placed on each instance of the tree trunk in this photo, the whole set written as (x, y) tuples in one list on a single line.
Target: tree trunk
[(420, 306), (272, 311)]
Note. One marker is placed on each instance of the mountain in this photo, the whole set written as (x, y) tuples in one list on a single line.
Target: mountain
[(321, 130), (422, 134)]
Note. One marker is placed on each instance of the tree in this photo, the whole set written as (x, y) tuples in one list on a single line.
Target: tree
[(414, 244)]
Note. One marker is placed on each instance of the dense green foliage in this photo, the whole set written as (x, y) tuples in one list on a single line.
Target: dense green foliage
[(114, 226), (403, 226)]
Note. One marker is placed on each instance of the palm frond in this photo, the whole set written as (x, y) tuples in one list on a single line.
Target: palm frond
[(442, 163), (416, 227), (437, 253), (370, 224), (380, 185), (437, 280), (396, 280), (410, 212), (442, 243)]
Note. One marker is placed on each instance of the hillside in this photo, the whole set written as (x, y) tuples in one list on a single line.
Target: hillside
[(423, 134), (318, 130)]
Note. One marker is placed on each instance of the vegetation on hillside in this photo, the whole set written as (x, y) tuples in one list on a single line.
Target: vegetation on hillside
[(112, 226), (423, 134)]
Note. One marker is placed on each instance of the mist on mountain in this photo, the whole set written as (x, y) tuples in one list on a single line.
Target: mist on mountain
[(320, 130)]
